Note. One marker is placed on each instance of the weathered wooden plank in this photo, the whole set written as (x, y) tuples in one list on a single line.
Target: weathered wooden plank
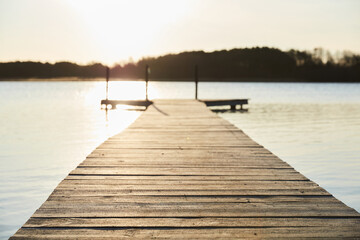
[(205, 187), (181, 131), (165, 155), (189, 222), (245, 192), (326, 200), (219, 169), (179, 171), (184, 145), (193, 211), (130, 182), (183, 152), (189, 233), (175, 153), (189, 162), (181, 186), (180, 140), (198, 160), (323, 200), (292, 177), (259, 206), (107, 163)]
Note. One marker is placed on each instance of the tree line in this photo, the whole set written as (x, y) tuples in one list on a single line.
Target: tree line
[(247, 64)]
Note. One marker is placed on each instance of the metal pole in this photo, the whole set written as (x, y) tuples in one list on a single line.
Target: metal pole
[(147, 80), (196, 81), (107, 82)]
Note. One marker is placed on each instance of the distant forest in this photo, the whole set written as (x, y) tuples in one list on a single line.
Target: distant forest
[(247, 64)]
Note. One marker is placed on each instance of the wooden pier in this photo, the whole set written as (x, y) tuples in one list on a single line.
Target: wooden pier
[(180, 171), (208, 102)]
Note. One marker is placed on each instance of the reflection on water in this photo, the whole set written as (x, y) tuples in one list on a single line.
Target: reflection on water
[(319, 140), (48, 128)]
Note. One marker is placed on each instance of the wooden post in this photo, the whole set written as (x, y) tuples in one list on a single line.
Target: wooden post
[(196, 81), (147, 80), (107, 82)]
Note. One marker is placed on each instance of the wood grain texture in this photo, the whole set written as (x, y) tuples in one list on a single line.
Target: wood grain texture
[(180, 171)]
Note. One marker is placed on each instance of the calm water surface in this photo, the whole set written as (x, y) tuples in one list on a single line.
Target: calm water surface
[(48, 128)]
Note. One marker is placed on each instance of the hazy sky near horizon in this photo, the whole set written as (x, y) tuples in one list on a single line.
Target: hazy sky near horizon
[(111, 31)]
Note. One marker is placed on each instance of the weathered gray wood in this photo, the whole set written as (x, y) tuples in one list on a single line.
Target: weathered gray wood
[(220, 192), (244, 183), (184, 185), (180, 171), (194, 211), (339, 232), (107, 163), (189, 222), (326, 200), (252, 207), (293, 177)]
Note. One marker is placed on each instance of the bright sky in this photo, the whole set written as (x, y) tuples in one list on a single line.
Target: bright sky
[(111, 31)]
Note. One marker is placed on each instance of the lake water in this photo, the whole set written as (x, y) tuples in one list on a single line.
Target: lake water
[(48, 128)]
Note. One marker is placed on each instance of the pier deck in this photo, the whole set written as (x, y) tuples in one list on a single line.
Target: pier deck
[(180, 171)]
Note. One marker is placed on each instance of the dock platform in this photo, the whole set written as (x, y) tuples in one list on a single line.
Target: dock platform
[(208, 102), (180, 171), (226, 102), (113, 103)]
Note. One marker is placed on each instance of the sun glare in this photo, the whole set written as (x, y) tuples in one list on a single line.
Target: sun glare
[(123, 29)]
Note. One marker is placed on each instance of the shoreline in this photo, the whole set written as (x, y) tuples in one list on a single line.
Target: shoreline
[(98, 79)]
